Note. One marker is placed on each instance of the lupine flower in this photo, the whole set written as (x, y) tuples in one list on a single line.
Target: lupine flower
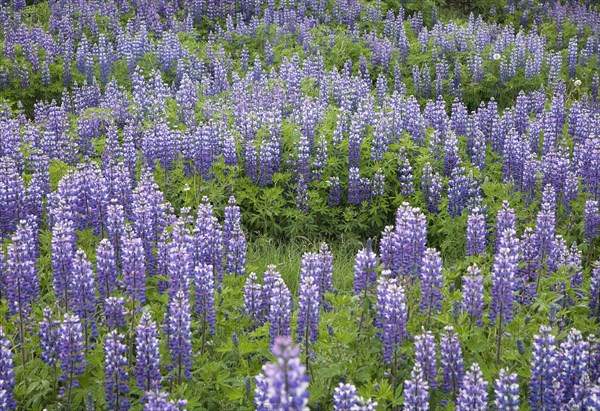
[(473, 293), (106, 268), (595, 292), (345, 397), (269, 278), (283, 384), (426, 357), (147, 357), (63, 251), (503, 280), (252, 294), (473, 395), (204, 301), (84, 294), (572, 361), (71, 353), (48, 334), (179, 329), (410, 239), (115, 312), (115, 372), (7, 373), (365, 272), (506, 392), (431, 282), (451, 360), (476, 241), (280, 310), (235, 252), (308, 312), (158, 401), (392, 317), (324, 275), (544, 370), (134, 269), (416, 391)]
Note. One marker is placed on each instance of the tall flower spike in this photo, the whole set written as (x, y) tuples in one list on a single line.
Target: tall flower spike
[(235, 252), (506, 391), (280, 310), (544, 370), (48, 334), (595, 292), (308, 313), (426, 357), (503, 280), (392, 317), (431, 282), (204, 301), (416, 391), (115, 372), (476, 241), (473, 294), (63, 251), (158, 401), (106, 268), (365, 272), (72, 360), (252, 292), (283, 384), (325, 274), (345, 397), (84, 294), (573, 357), (473, 395), (134, 269), (179, 330), (7, 373), (451, 360), (147, 357)]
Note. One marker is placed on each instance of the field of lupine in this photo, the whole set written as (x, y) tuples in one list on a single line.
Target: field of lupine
[(345, 205)]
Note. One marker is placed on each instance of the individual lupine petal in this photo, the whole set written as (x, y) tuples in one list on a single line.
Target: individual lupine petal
[(280, 310), (308, 312), (71, 353), (204, 301), (473, 395), (115, 372), (506, 391), (431, 282), (473, 294), (392, 317), (365, 271), (179, 329), (572, 360), (451, 360), (542, 394), (7, 373), (283, 384), (416, 391), (147, 357), (106, 268), (48, 334), (115, 312), (426, 357), (252, 298)]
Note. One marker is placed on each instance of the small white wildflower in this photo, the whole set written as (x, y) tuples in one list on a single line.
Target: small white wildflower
[(497, 56), (186, 187), (577, 83)]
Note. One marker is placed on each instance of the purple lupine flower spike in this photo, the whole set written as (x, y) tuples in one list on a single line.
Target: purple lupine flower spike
[(204, 301), (506, 391), (426, 357), (283, 384), (473, 294), (431, 282), (147, 355), (179, 329), (544, 370), (280, 309), (48, 334), (7, 373), (252, 294), (451, 360), (115, 312), (392, 317), (416, 391), (308, 312), (473, 395), (71, 347), (115, 372)]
